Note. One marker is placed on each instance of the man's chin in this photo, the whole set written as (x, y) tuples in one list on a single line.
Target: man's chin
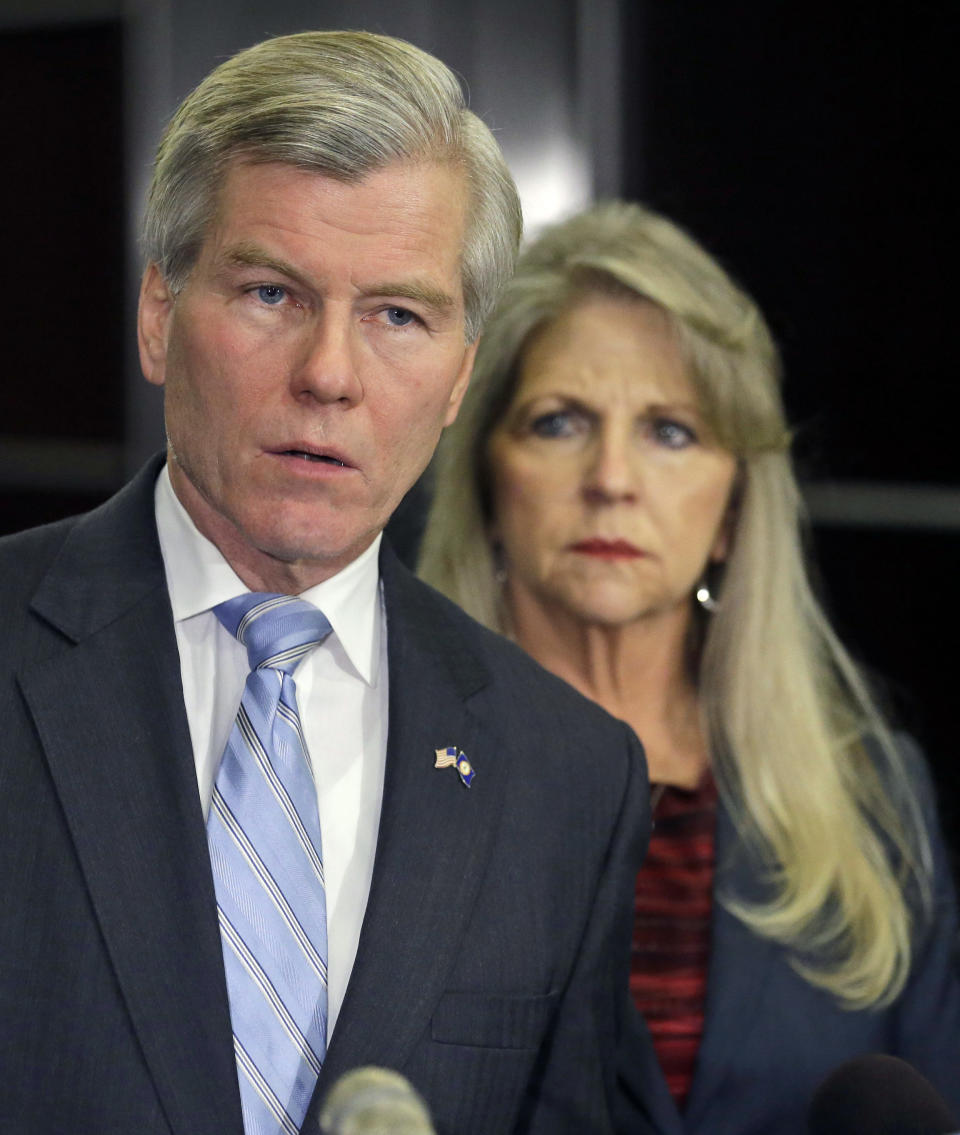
[(317, 544), (275, 542)]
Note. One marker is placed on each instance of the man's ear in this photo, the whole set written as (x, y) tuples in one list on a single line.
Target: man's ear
[(153, 324), (461, 383)]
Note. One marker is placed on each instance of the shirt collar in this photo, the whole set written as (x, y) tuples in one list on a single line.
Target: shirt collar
[(198, 578)]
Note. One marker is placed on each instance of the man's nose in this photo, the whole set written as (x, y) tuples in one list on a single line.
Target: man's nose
[(612, 474), (326, 369)]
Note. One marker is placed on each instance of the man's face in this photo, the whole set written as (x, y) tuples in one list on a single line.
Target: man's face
[(310, 361)]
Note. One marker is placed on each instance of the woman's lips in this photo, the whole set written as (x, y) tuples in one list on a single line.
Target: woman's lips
[(608, 549)]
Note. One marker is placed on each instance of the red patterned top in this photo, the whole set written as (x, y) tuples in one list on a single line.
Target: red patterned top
[(671, 930)]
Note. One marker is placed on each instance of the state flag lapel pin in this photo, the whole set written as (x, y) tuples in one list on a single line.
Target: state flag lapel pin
[(452, 757)]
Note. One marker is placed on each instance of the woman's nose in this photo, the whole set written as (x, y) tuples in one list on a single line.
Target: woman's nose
[(611, 474)]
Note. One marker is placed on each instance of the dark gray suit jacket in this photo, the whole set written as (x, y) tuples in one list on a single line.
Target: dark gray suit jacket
[(491, 967)]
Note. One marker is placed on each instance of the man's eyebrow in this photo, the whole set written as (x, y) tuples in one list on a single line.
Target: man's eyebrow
[(249, 255), (423, 293)]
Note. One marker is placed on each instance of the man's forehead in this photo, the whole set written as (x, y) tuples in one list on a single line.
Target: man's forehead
[(406, 205), (412, 185)]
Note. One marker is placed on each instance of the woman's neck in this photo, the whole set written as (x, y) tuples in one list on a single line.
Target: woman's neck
[(637, 671)]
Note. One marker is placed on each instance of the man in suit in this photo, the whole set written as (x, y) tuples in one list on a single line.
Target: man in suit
[(326, 229)]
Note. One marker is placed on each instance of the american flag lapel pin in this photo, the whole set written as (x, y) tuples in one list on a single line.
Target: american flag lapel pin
[(452, 757)]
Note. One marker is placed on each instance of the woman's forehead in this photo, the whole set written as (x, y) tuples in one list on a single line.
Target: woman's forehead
[(606, 345)]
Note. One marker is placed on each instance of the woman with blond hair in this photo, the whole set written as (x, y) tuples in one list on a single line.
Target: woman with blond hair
[(617, 496)]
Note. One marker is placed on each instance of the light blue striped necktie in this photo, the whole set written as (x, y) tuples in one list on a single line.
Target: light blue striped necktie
[(264, 836)]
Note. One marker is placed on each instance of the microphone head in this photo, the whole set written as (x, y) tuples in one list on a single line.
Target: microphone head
[(878, 1095), (374, 1101)]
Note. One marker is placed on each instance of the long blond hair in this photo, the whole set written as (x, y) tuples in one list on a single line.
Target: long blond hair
[(805, 763)]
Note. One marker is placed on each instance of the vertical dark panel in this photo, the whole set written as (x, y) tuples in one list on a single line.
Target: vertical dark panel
[(61, 218)]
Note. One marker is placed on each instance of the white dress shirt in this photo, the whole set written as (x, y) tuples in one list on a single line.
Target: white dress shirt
[(341, 694)]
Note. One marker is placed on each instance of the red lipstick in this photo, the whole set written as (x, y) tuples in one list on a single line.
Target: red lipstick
[(608, 549)]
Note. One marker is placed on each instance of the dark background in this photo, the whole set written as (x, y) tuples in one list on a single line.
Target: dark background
[(62, 228), (804, 147)]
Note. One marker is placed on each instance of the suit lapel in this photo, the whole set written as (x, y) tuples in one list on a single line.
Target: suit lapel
[(108, 708), (740, 966), (434, 838)]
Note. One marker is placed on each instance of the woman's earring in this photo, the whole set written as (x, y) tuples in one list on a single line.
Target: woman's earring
[(705, 599), (704, 596)]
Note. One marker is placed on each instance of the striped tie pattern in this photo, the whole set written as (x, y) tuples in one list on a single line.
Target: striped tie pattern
[(264, 837)]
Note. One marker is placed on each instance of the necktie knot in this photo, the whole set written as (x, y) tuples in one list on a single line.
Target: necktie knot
[(279, 631)]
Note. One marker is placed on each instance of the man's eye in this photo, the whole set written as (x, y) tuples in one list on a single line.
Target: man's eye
[(400, 317), (673, 434), (271, 294)]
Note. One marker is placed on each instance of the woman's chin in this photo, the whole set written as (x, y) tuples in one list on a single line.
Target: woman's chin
[(613, 611)]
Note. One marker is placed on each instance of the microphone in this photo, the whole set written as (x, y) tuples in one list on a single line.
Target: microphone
[(878, 1095), (374, 1101)]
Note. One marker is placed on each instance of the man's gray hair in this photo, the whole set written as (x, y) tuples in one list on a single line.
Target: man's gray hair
[(343, 104)]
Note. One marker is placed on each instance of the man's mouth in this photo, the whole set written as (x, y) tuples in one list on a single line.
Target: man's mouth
[(306, 456)]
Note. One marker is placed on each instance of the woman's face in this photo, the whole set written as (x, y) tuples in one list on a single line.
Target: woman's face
[(609, 494)]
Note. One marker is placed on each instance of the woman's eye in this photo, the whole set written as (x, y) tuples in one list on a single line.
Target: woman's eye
[(400, 317), (271, 294), (558, 423), (673, 434)]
